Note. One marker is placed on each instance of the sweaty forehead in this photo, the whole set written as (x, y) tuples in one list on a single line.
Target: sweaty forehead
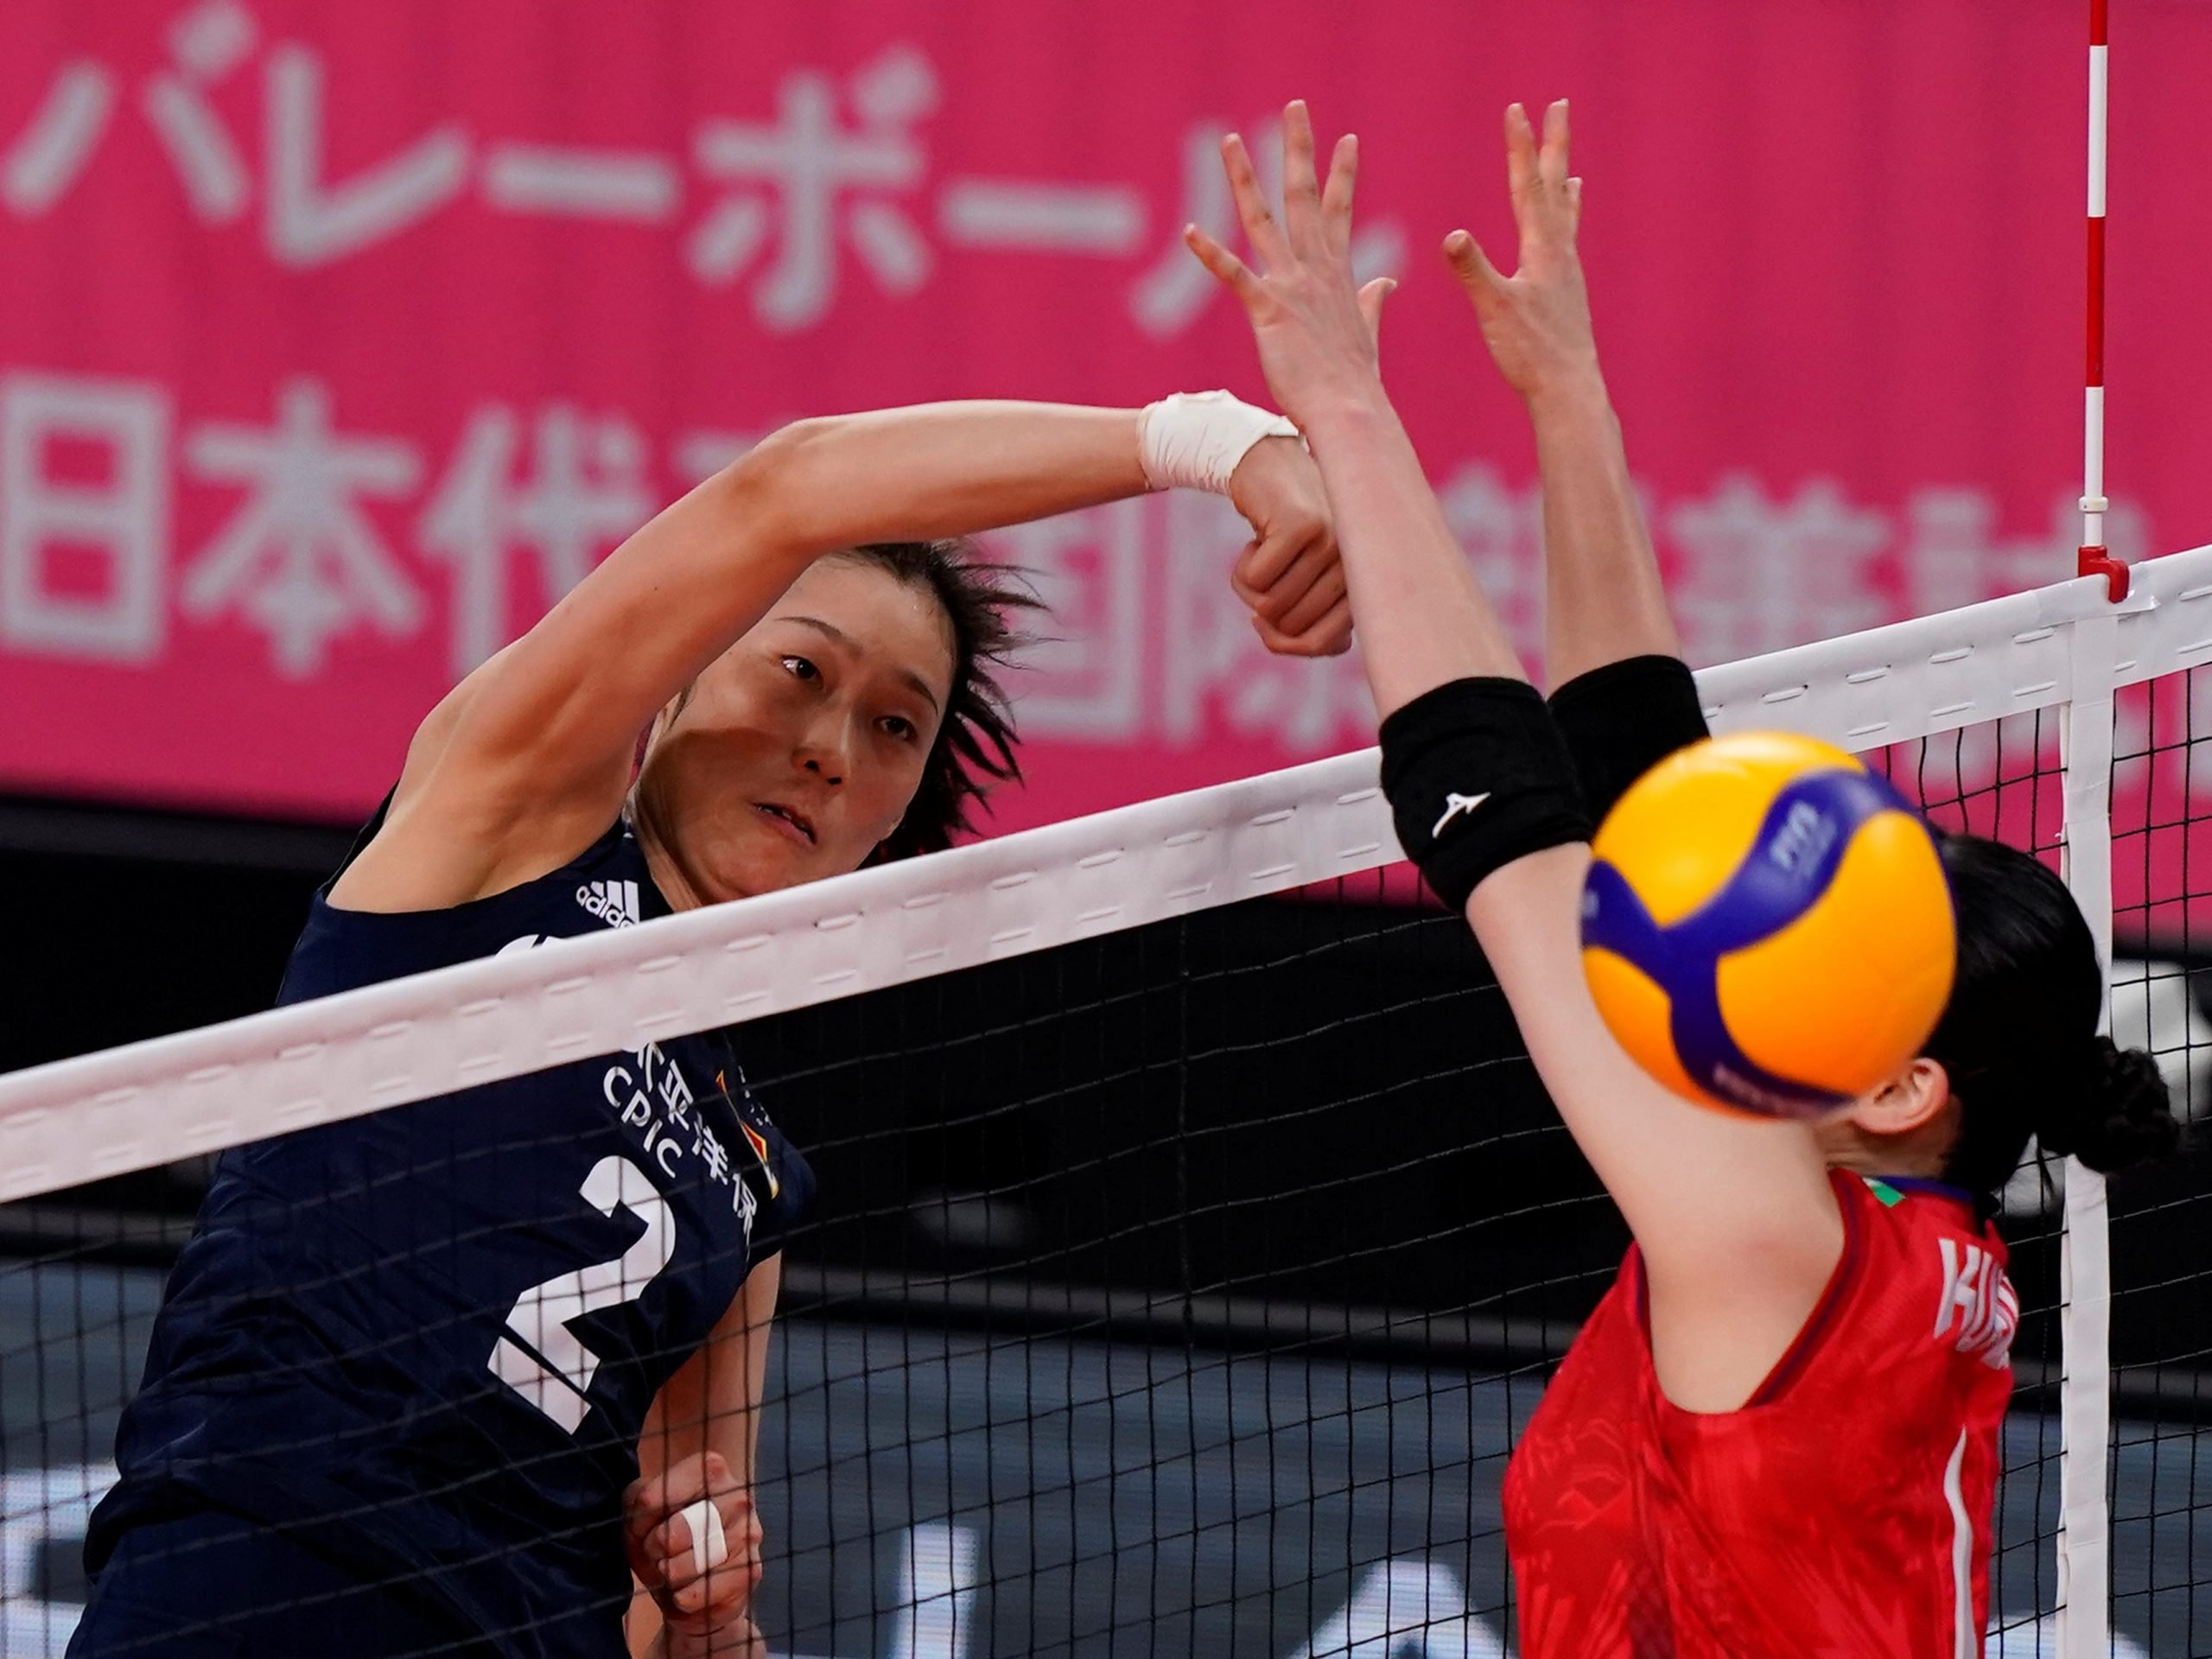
[(893, 623)]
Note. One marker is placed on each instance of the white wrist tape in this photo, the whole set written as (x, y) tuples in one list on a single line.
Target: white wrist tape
[(1194, 440), (709, 1547)]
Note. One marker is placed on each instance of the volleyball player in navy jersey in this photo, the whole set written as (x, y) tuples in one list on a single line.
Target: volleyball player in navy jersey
[(437, 1379), (1778, 1431)]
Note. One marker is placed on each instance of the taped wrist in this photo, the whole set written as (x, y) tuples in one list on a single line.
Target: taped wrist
[(1476, 777), (1620, 720), (1194, 440)]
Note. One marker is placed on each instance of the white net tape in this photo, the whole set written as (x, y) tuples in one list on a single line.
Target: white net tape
[(152, 1103)]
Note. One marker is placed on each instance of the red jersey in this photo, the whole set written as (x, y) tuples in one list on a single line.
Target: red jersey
[(1843, 1513)]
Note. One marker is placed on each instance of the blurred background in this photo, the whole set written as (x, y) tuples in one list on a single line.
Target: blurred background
[(337, 342)]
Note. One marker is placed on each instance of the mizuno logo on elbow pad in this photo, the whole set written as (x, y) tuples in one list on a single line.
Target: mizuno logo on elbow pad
[(1453, 806)]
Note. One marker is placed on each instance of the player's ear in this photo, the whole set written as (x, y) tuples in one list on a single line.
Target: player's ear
[(1912, 1098)]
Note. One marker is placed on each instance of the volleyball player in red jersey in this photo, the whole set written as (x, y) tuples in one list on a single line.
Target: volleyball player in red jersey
[(1778, 1432)]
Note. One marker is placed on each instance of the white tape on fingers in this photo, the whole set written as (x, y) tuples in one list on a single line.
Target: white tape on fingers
[(709, 1547)]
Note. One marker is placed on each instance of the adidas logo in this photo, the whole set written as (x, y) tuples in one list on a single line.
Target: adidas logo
[(615, 903)]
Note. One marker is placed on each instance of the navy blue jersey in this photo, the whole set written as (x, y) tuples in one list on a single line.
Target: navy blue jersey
[(425, 1340)]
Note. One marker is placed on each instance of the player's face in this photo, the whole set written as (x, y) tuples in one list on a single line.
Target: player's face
[(802, 745)]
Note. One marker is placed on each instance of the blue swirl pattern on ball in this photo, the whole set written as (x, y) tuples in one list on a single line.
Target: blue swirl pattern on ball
[(1800, 842)]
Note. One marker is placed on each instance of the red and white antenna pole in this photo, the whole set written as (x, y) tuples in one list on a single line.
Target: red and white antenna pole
[(2083, 1544), (2095, 561)]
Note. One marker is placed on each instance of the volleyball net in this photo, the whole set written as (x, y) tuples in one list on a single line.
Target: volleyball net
[(1193, 1236)]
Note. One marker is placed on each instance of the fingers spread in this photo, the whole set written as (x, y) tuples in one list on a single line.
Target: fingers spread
[(1520, 156), (1301, 194), (1231, 271), (1543, 206), (1371, 304), (1337, 194), (1551, 162), (1259, 226), (1472, 265)]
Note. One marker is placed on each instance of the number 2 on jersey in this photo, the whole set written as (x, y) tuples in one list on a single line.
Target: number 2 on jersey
[(558, 1384)]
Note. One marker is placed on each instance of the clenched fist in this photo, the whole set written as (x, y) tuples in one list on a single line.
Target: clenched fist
[(1290, 572), (695, 1542)]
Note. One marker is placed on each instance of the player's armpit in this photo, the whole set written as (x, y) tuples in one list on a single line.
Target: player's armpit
[(1734, 1216)]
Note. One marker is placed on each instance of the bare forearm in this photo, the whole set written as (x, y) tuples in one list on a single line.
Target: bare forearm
[(1602, 601), (701, 1435), (726, 551), (1423, 619), (560, 713), (939, 469), (713, 1402), (757, 1328)]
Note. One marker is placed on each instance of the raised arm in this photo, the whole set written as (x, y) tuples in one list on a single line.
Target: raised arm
[(1602, 598), (1733, 1216), (530, 756), (1623, 697)]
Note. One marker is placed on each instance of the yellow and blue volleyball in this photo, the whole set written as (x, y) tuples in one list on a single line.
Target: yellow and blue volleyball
[(1766, 926)]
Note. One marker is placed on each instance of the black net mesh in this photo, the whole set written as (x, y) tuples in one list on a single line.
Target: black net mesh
[(2002, 780), (1205, 1267), (1183, 1291), (2161, 1223)]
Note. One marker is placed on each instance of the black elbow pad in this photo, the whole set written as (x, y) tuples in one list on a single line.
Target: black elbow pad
[(1620, 720), (1476, 778)]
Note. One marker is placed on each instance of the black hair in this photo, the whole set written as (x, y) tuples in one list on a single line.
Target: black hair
[(974, 750), (2018, 1037)]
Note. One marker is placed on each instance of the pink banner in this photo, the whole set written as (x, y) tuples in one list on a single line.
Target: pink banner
[(336, 342)]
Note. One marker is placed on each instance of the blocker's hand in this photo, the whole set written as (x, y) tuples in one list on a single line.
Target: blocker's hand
[(1290, 572), (704, 1590), (1537, 322), (1316, 331)]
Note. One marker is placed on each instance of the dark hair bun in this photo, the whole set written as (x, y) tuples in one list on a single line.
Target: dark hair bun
[(2116, 1113)]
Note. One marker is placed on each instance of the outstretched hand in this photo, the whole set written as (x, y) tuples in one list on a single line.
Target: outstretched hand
[(1537, 322), (1316, 330)]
